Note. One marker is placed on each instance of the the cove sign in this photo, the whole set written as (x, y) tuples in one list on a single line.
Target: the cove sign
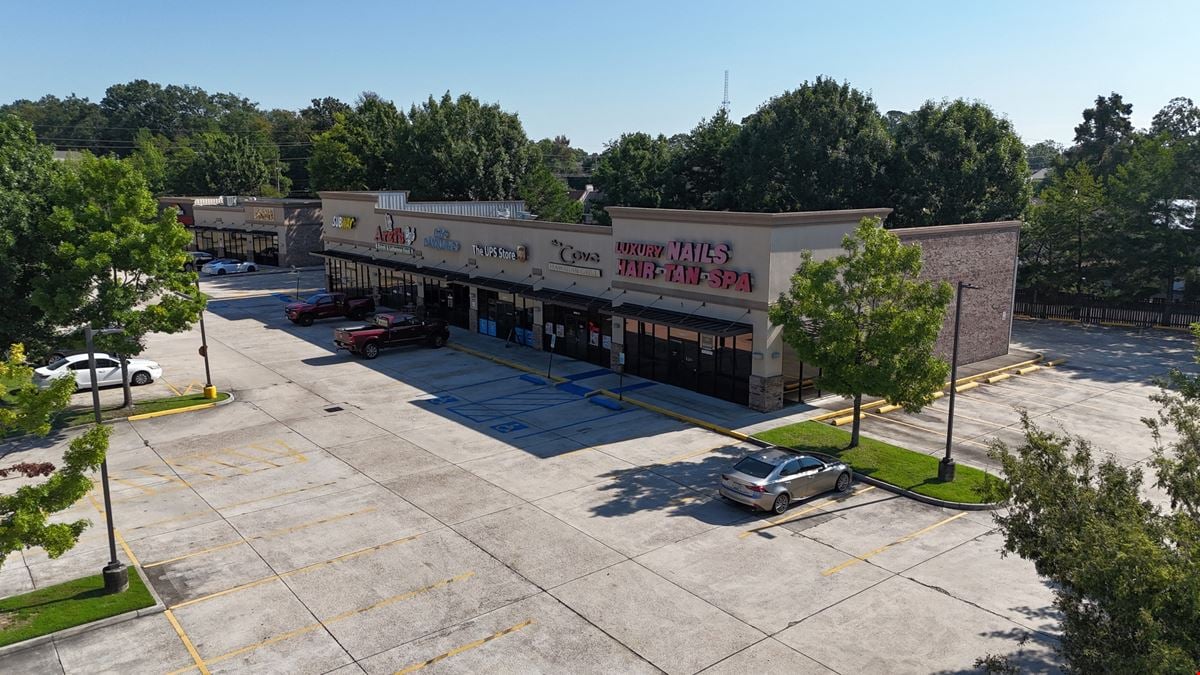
[(684, 264)]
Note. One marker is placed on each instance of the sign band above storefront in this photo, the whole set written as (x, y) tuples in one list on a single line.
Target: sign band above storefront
[(679, 252)]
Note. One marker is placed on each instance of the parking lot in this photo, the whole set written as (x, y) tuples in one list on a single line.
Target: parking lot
[(434, 511)]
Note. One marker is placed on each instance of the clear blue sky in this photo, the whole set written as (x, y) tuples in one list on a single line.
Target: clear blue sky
[(592, 71)]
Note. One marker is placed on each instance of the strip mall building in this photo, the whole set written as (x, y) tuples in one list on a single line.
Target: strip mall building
[(682, 296)]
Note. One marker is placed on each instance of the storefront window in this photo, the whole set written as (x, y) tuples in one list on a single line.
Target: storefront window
[(266, 249), (397, 290), (712, 365), (351, 278)]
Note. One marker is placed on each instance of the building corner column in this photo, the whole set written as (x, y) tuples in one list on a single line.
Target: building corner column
[(766, 374)]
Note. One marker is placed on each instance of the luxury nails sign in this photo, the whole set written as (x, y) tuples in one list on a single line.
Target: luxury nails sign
[(682, 262)]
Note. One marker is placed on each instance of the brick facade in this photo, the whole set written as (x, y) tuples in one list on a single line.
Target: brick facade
[(983, 255)]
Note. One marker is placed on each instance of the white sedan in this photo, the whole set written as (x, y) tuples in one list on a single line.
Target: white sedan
[(108, 371), (228, 266)]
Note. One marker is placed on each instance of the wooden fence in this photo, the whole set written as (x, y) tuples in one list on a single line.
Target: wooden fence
[(1088, 309)]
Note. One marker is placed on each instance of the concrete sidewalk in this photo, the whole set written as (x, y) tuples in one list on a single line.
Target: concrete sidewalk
[(588, 377)]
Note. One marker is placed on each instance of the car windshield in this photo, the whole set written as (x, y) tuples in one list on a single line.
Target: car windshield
[(314, 299), (754, 467)]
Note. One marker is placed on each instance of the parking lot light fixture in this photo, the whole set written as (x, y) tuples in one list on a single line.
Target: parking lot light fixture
[(946, 466), (116, 577)]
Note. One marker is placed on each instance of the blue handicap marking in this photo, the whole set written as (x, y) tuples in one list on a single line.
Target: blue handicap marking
[(509, 427), (442, 400)]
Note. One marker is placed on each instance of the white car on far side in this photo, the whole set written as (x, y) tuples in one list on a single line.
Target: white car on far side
[(228, 266), (108, 371)]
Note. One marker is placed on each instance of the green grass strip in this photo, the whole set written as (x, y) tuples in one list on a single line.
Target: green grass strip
[(883, 461), (82, 416), (73, 603)]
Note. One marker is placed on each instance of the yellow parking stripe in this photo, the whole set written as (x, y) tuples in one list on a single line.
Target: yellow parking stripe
[(793, 516), (187, 643), (333, 619), (467, 647), (908, 537)]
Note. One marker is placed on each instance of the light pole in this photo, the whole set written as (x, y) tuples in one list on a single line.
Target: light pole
[(946, 466), (116, 577), (210, 392)]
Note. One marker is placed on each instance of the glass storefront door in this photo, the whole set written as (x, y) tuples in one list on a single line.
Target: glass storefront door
[(713, 365), (266, 249), (236, 246), (581, 334)]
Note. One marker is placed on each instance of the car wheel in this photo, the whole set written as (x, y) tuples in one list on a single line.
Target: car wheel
[(305, 320), (843, 482), (439, 341), (142, 378), (252, 268), (220, 272), (370, 351), (782, 502)]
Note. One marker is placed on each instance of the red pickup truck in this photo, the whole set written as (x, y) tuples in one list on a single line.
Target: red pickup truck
[(328, 305), (391, 330)]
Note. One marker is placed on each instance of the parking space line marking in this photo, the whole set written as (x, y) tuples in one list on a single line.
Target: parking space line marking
[(333, 619), (240, 469), (272, 496), (689, 455), (467, 647), (264, 535), (908, 537), (187, 643), (231, 451), (180, 465), (307, 568), (124, 481), (189, 388), (169, 386), (793, 516), (921, 428), (186, 516), (116, 533), (144, 470), (1019, 395)]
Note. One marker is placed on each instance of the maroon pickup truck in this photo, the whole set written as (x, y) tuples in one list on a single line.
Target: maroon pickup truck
[(391, 330), (326, 306)]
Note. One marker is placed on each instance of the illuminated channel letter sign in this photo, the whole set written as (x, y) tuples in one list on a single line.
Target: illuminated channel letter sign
[(264, 214), (398, 239), (685, 263), (344, 222), (441, 240), (519, 254)]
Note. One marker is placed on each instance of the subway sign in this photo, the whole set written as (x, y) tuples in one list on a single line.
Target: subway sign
[(682, 262)]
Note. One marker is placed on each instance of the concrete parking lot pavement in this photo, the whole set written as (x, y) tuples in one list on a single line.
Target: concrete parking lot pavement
[(431, 511), (1101, 393)]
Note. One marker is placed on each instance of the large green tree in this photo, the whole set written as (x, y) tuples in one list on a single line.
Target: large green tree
[(957, 162), (461, 148), (1044, 154), (217, 163), (867, 320), (821, 146), (1179, 118), (1125, 571), (699, 164), (633, 171), (1104, 139), (1064, 239), (361, 150), (547, 197)]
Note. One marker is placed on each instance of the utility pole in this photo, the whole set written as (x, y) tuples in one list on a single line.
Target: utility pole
[(116, 577), (946, 467)]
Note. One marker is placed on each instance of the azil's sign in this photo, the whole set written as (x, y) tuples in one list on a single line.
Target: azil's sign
[(683, 266), (344, 222), (389, 237), (264, 214)]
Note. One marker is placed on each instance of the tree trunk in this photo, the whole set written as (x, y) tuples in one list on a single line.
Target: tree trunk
[(857, 420), (125, 382)]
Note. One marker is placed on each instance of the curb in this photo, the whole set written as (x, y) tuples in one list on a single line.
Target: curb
[(157, 608), (933, 501), (175, 411), (869, 407)]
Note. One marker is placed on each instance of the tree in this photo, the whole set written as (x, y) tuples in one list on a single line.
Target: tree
[(632, 171), (1064, 237), (867, 321), (216, 163), (1104, 138), (25, 512), (361, 149), (698, 165), (1125, 572), (150, 159), (1044, 154), (117, 260), (71, 122), (957, 163), (1179, 118), (547, 197), (460, 148), (27, 175), (293, 135), (559, 157), (321, 113), (821, 146)]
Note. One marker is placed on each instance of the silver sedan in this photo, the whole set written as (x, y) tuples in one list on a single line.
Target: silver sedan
[(772, 479)]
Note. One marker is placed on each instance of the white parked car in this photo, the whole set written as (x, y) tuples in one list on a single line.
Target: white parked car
[(108, 371), (228, 266)]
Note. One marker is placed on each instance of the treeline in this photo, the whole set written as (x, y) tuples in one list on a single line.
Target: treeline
[(1117, 217), (1112, 215)]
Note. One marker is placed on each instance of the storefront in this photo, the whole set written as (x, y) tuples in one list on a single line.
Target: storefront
[(678, 297), (268, 232)]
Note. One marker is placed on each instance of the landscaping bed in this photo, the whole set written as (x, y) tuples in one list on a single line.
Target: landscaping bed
[(883, 461), (83, 415), (74, 603)]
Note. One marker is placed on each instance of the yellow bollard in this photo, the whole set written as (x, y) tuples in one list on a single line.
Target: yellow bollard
[(210, 392)]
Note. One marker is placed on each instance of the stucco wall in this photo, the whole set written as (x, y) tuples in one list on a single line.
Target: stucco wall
[(983, 255)]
